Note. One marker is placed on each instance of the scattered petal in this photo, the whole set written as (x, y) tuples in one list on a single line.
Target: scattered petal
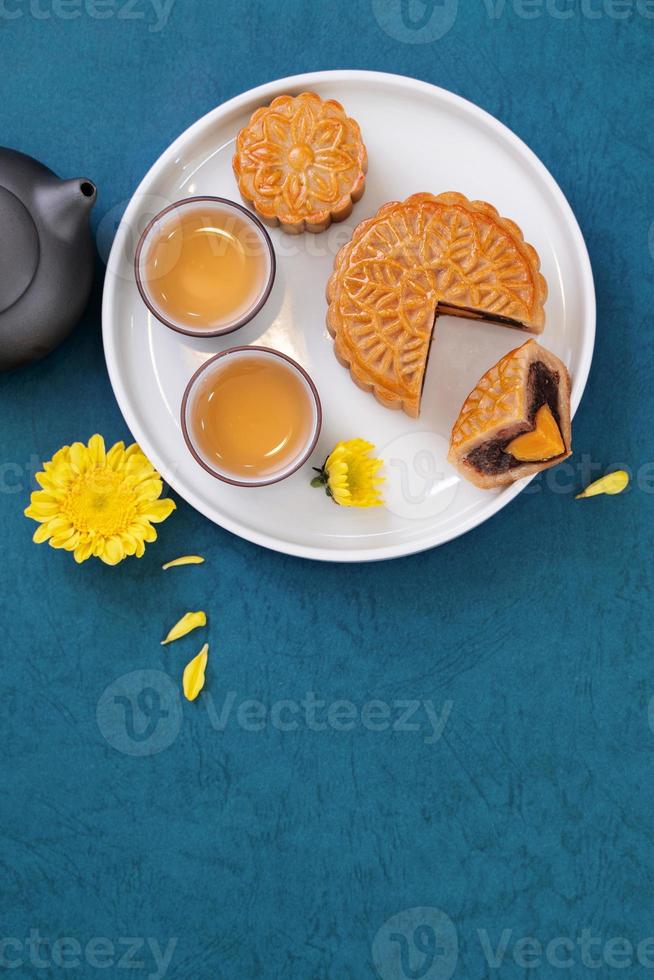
[(194, 674), (184, 560), (611, 484), (189, 622)]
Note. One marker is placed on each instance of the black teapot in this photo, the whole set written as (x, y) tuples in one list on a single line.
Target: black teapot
[(46, 257)]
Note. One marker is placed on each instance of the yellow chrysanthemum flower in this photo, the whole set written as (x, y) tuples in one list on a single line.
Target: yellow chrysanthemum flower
[(94, 502), (350, 475)]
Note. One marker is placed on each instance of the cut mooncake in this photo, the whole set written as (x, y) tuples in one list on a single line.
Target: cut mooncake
[(412, 261), (301, 162), (516, 421)]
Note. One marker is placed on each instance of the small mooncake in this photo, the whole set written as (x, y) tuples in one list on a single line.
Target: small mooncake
[(301, 162)]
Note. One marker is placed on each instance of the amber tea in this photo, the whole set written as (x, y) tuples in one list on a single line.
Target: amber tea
[(251, 417), (204, 267)]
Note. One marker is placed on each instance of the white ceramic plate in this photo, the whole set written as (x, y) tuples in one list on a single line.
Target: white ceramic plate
[(419, 138)]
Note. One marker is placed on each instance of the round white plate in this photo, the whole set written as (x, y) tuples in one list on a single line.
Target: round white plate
[(419, 138)]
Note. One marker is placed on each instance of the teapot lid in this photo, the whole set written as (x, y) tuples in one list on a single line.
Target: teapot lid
[(19, 249)]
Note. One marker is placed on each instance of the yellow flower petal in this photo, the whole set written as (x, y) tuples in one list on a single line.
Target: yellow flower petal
[(56, 481), (83, 550), (41, 511), (189, 622), (97, 455), (129, 542), (148, 489), (135, 462), (194, 674), (67, 542), (135, 450), (184, 560), (159, 510), (60, 458), (64, 534), (79, 457), (115, 455), (41, 534), (59, 525), (143, 529), (611, 484), (113, 551)]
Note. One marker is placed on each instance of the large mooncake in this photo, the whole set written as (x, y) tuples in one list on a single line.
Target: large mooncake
[(416, 259)]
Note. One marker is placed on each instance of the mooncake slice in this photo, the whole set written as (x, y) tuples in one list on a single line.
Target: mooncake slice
[(516, 422), (301, 162), (412, 261)]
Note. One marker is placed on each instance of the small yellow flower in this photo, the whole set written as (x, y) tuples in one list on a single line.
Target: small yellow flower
[(98, 503), (350, 475)]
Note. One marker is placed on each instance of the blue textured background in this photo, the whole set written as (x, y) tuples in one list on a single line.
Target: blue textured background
[(271, 854)]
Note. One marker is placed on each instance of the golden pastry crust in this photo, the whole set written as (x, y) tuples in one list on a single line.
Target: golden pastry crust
[(412, 260), (301, 162), (500, 407)]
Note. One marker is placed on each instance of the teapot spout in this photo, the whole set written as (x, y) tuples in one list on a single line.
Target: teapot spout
[(66, 205)]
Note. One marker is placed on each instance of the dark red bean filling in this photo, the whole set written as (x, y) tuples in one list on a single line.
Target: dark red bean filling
[(543, 385)]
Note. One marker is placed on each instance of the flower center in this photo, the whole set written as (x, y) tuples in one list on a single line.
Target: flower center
[(100, 501), (301, 157)]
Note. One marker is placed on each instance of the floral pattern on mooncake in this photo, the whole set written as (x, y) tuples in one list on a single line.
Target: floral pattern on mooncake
[(301, 162)]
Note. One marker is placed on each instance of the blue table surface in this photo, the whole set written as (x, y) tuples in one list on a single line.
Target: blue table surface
[(505, 828)]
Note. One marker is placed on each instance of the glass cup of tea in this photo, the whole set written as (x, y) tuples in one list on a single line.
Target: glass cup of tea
[(251, 416), (205, 266)]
